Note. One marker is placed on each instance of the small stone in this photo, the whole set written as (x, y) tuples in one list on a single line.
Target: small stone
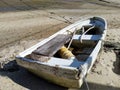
[(93, 70), (0, 56), (108, 65), (102, 58), (99, 72), (107, 35), (111, 60), (52, 13)]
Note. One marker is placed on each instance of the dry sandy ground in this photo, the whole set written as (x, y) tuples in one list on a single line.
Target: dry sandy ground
[(23, 23)]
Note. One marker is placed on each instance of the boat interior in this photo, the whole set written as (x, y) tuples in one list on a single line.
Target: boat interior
[(78, 44)]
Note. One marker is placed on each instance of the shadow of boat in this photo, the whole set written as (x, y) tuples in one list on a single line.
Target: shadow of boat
[(26, 79)]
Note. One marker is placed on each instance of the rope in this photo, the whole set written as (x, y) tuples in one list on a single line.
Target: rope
[(85, 32), (71, 39), (84, 79), (81, 68)]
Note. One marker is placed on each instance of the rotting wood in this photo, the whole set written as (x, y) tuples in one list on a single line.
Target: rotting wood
[(51, 47), (38, 57)]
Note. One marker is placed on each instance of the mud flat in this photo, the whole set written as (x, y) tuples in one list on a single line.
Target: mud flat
[(24, 23)]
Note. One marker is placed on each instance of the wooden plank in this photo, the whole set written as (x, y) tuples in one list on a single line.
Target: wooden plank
[(52, 46), (38, 57)]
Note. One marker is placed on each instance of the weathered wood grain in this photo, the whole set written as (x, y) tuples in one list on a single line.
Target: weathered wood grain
[(38, 57), (52, 46)]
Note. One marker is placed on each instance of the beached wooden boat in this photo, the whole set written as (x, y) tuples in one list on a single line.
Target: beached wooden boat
[(66, 57)]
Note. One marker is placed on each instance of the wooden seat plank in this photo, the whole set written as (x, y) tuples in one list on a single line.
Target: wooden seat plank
[(52, 46), (88, 37)]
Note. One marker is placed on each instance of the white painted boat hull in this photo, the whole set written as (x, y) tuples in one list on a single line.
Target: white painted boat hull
[(53, 74), (63, 72)]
